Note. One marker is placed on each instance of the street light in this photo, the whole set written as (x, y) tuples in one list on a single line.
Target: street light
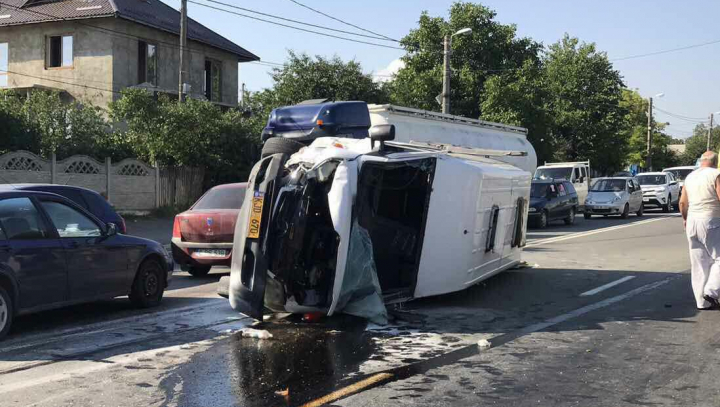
[(712, 116), (446, 69), (648, 158)]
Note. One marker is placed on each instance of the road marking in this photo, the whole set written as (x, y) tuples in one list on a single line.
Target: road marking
[(413, 369), (606, 286), (593, 232)]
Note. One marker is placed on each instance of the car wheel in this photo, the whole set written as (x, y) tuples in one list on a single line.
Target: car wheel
[(571, 217), (199, 271), (587, 215), (625, 212), (640, 211), (543, 221), (6, 312), (666, 207), (149, 285), (280, 145)]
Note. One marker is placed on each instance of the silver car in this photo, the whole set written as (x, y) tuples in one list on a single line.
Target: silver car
[(614, 196)]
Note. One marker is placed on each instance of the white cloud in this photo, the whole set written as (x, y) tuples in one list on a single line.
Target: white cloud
[(386, 74)]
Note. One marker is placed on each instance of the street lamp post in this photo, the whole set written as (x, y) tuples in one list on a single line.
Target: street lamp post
[(648, 158), (712, 116), (447, 44)]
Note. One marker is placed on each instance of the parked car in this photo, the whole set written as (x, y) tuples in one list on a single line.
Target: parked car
[(203, 235), (578, 173), (55, 253), (87, 198), (552, 200), (660, 189), (614, 196), (680, 173)]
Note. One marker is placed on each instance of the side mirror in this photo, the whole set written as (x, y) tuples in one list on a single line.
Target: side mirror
[(382, 133), (673, 183), (111, 230)]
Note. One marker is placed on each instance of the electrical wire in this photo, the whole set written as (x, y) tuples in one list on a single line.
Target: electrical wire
[(51, 79), (289, 26), (341, 21), (703, 44), (375, 37)]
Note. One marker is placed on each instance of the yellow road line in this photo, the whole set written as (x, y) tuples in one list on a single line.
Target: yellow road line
[(351, 389)]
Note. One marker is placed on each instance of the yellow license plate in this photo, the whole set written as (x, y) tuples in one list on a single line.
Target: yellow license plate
[(256, 215)]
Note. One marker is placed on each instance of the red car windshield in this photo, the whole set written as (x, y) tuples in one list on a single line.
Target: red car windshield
[(221, 198)]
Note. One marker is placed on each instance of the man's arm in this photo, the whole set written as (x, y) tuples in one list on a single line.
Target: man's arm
[(717, 186), (685, 202)]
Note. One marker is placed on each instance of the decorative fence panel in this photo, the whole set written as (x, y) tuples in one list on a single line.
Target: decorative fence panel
[(130, 185)]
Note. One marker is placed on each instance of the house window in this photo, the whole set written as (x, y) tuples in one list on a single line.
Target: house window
[(147, 63), (4, 58), (213, 80), (60, 51)]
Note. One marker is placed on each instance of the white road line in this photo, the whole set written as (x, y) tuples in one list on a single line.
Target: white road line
[(593, 232), (606, 286)]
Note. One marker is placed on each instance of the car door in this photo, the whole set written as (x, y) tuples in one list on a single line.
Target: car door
[(674, 188), (97, 264), (30, 252), (562, 208)]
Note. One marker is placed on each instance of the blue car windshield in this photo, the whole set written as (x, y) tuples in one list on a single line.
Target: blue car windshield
[(608, 185)]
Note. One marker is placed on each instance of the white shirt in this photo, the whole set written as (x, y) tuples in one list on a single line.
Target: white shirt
[(700, 187)]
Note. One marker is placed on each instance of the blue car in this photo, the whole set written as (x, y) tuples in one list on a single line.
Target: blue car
[(552, 200), (54, 253)]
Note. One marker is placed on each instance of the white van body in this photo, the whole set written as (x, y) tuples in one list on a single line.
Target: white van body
[(459, 218), (415, 125), (577, 172)]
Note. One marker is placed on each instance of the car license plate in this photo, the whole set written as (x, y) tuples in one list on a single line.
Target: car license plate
[(646, 199), (256, 215), (211, 252)]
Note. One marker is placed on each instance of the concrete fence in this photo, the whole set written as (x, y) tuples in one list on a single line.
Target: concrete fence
[(130, 185)]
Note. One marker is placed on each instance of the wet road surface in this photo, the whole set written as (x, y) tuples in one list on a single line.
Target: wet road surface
[(604, 316)]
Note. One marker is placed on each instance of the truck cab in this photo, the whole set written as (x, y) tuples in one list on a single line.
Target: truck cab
[(578, 173)]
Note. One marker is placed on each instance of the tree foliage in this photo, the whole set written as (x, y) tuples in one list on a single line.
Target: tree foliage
[(696, 144), (491, 47)]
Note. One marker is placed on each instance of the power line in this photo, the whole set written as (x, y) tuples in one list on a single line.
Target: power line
[(341, 21), (375, 37), (681, 117), (60, 81), (289, 26), (703, 44)]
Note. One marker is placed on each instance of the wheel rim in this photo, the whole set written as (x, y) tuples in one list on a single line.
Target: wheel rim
[(151, 283), (3, 314)]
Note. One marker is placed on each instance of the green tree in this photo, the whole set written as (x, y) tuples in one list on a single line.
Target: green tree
[(636, 133), (696, 144), (584, 101), (490, 48)]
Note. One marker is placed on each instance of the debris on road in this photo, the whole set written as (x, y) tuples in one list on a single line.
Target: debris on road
[(256, 333), (484, 344)]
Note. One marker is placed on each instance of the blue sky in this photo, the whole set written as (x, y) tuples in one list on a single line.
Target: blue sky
[(690, 79)]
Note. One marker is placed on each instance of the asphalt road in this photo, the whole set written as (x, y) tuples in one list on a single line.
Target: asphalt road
[(602, 316)]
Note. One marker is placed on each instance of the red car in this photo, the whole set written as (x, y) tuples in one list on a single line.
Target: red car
[(203, 235)]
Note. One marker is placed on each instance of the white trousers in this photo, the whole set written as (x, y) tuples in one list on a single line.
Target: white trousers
[(704, 238)]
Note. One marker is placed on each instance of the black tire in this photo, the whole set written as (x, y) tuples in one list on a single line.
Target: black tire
[(543, 221), (571, 217), (280, 145), (666, 207), (625, 212), (7, 309), (587, 215), (199, 271), (640, 211), (149, 285)]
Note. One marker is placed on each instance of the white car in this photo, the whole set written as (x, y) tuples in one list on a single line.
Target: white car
[(659, 189), (341, 226), (578, 173), (614, 196), (680, 173)]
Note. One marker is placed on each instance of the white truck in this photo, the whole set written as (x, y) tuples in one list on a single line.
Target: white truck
[(577, 172)]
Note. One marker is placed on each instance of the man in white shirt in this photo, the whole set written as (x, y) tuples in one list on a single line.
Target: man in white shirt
[(700, 207)]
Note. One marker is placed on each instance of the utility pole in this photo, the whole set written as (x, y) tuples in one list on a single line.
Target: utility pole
[(712, 115), (183, 44), (446, 77), (648, 159)]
